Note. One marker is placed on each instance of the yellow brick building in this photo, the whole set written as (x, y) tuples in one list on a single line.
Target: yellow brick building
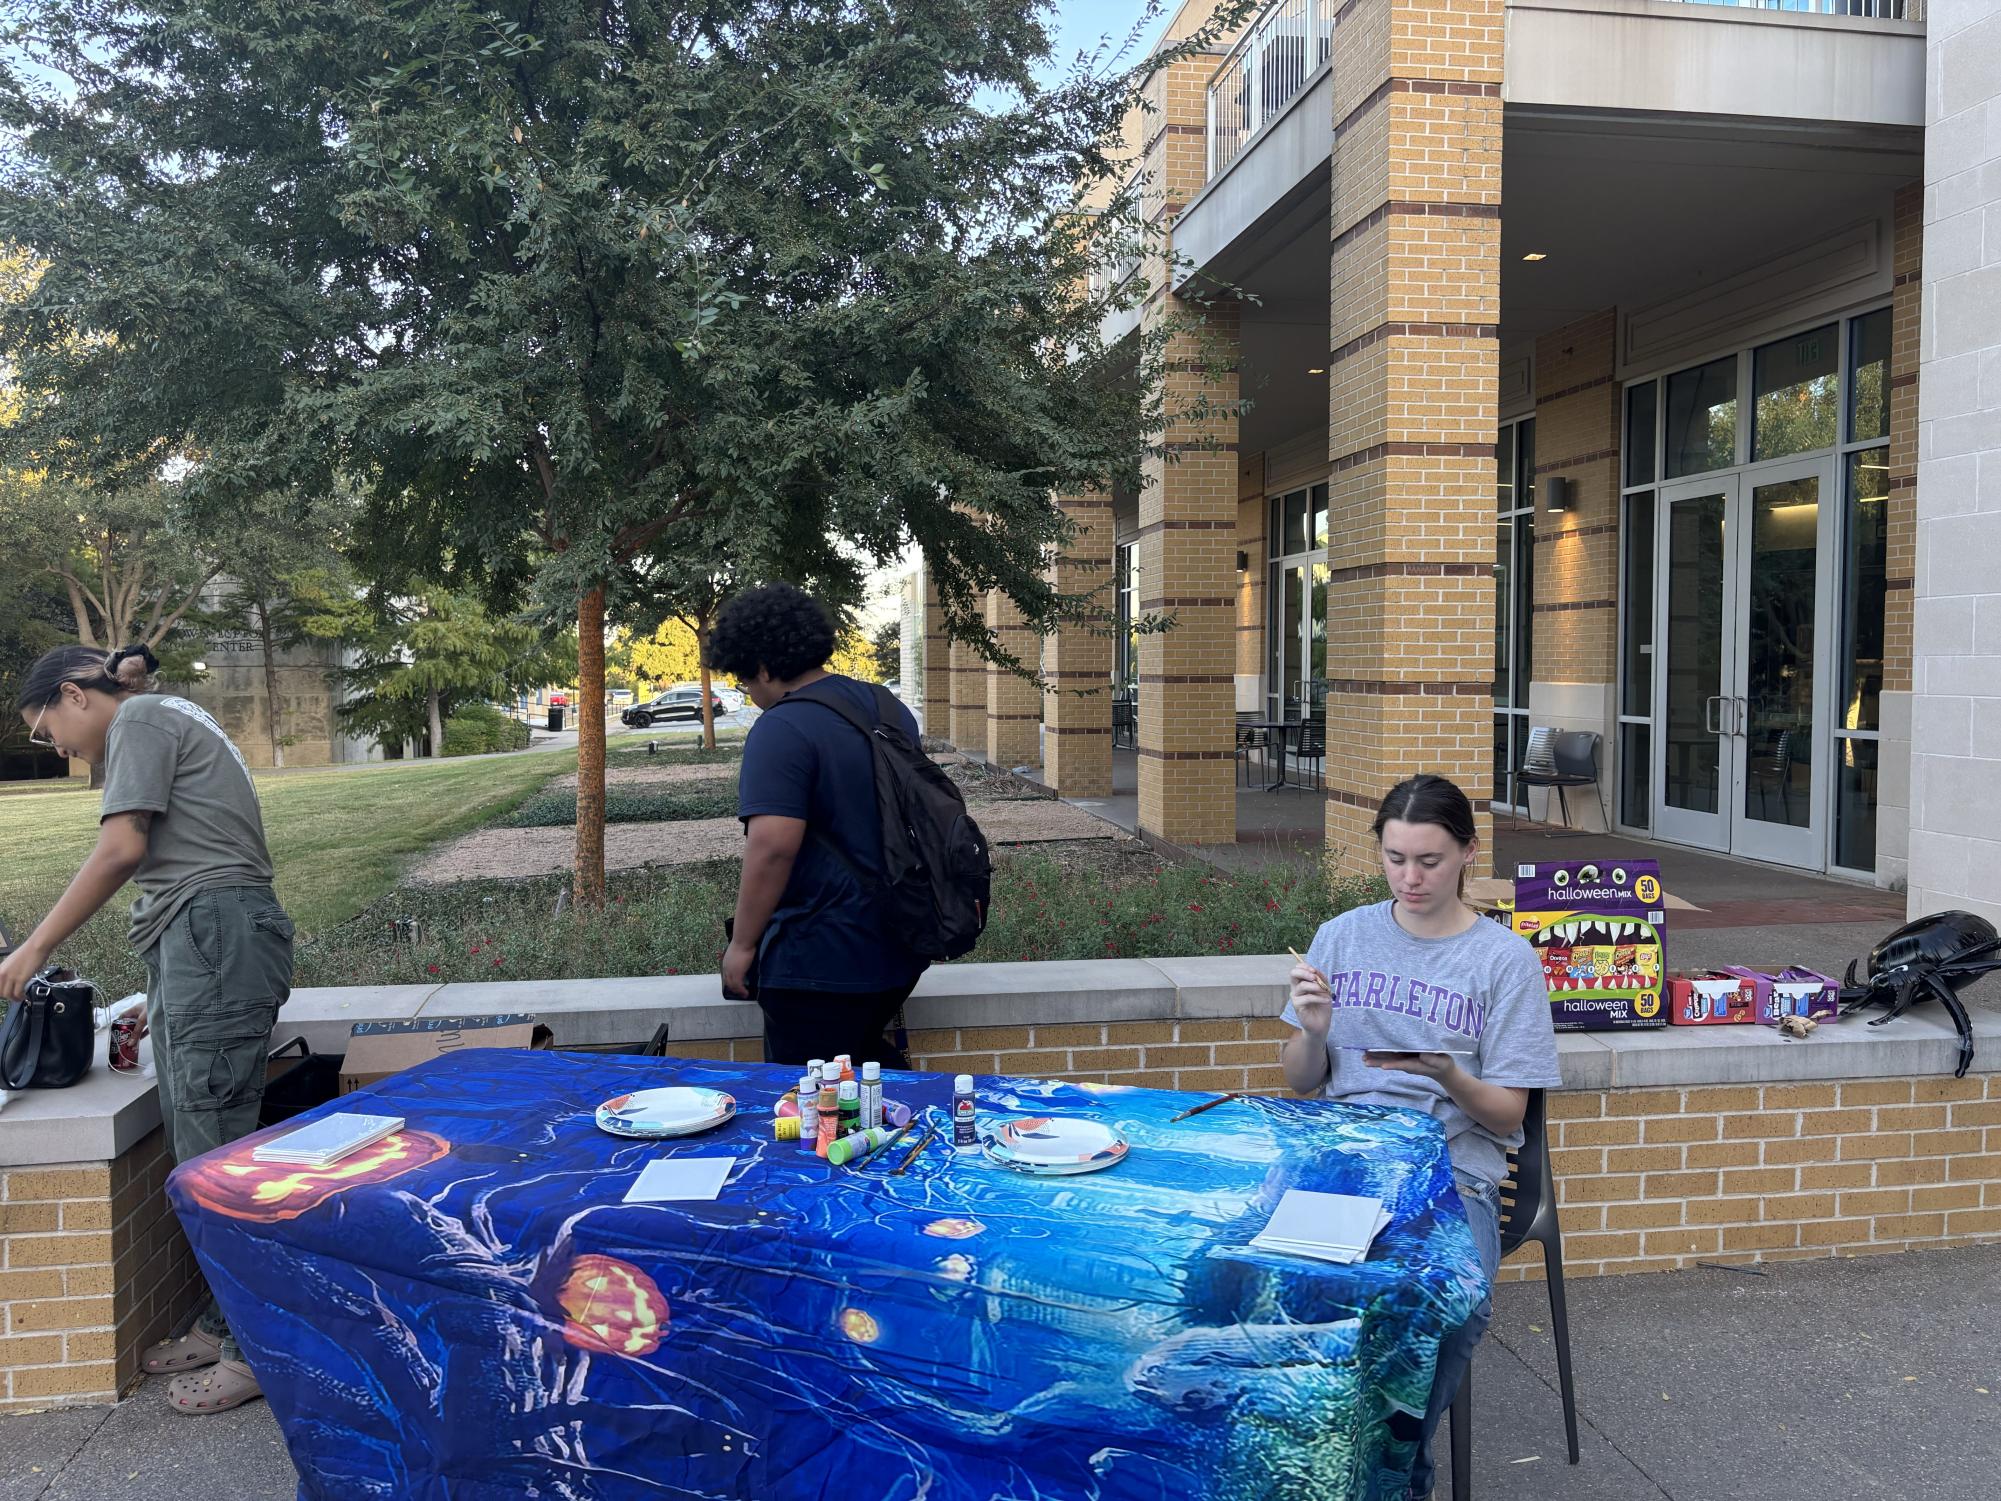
[(1580, 390)]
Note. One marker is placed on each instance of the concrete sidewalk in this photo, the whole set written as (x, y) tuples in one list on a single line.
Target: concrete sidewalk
[(1796, 1381)]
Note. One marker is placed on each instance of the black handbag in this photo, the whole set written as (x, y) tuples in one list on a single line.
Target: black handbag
[(46, 1040)]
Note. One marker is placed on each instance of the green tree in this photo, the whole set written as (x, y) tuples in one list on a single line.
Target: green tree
[(585, 279), (887, 644)]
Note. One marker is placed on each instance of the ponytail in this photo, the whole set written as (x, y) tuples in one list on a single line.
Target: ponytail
[(128, 670)]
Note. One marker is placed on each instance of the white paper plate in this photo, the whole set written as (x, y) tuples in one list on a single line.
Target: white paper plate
[(674, 1111), (1054, 1145)]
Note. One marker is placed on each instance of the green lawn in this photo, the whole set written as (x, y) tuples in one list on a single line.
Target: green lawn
[(339, 839)]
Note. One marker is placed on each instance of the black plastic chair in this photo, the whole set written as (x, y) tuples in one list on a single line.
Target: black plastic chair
[(1311, 746), (1573, 762), (1528, 1213), (1252, 736)]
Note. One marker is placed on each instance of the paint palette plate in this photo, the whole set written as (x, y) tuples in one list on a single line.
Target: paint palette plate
[(674, 1111), (1052, 1146)]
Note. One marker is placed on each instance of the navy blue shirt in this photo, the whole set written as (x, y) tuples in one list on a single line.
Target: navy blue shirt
[(802, 760)]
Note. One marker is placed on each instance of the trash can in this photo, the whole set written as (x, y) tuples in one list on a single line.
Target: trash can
[(555, 716)]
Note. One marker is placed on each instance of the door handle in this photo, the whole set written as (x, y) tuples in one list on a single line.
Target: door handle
[(1743, 716), (1709, 714)]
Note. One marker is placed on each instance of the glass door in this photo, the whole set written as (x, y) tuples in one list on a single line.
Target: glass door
[(1696, 616), (1740, 681), (1777, 722)]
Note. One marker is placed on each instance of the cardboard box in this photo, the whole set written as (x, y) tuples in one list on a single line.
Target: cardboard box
[(1790, 992), (375, 1050), (1710, 1000), (1600, 929)]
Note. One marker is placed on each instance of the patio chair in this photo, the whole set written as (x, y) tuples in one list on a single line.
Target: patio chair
[(1528, 1213), (1776, 771), (1561, 761), (1311, 746), (1251, 736)]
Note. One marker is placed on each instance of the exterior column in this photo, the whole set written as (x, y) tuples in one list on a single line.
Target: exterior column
[(1576, 612), (937, 685), (1955, 849), (1077, 706), (1013, 703), (1188, 514), (969, 699), (1252, 543), (1900, 544), (1413, 377)]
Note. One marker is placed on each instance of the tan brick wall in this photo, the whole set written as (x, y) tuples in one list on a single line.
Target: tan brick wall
[(1413, 314), (968, 720), (1577, 552), (1656, 1179), (1013, 704), (937, 664), (93, 1269), (1187, 534), (1901, 520), (1077, 707)]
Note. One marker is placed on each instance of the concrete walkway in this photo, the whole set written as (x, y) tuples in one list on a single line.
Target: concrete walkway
[(1797, 1381)]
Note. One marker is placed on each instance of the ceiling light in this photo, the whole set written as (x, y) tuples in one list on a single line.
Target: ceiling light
[(1317, 370), (1536, 255)]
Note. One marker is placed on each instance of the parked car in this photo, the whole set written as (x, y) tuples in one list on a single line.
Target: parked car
[(682, 702)]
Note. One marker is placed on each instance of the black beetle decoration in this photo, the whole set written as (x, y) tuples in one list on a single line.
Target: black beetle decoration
[(1935, 957)]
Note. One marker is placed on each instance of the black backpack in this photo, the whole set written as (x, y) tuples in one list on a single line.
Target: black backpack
[(937, 880)]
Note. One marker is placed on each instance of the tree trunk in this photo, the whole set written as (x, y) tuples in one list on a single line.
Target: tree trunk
[(270, 681), (434, 706), (708, 693), (588, 889)]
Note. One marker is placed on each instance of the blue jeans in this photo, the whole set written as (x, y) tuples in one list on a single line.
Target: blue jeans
[(1455, 1351)]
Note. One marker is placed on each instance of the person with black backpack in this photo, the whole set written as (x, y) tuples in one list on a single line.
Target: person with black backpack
[(861, 865)]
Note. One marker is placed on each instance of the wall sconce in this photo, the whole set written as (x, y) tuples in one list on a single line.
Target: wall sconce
[(1243, 561), (1556, 494)]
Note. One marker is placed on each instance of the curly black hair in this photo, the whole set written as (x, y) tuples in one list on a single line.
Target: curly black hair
[(778, 627)]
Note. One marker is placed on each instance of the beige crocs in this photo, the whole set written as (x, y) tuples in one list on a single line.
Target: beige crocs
[(190, 1352), (226, 1384)]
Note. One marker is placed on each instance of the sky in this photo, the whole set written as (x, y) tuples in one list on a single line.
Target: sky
[(1081, 24)]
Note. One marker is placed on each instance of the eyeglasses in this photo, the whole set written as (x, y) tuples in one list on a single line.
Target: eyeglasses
[(35, 735)]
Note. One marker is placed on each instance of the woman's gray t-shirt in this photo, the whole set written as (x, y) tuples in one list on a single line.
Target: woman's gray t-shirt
[(167, 757), (1481, 990)]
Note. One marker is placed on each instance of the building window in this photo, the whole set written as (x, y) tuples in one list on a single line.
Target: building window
[(1514, 603), (1125, 649), (1793, 385), (1296, 605), (1869, 377), (1636, 654), (1702, 419)]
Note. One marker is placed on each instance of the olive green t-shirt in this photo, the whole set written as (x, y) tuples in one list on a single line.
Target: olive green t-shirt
[(167, 757)]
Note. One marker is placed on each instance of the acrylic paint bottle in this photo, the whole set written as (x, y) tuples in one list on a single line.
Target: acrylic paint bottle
[(847, 1064), (964, 1137), (830, 1107), (871, 1095), (856, 1145), (850, 1119), (809, 1111)]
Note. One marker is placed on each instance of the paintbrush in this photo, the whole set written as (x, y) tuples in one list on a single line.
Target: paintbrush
[(912, 1155), (1205, 1105), (900, 1132)]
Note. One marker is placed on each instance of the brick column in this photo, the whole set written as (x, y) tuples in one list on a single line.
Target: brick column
[(1576, 619), (1188, 515), (1077, 708), (1413, 317), (937, 686), (1900, 527), (1013, 704), (969, 699)]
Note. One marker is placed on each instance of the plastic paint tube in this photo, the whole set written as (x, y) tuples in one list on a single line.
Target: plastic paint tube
[(856, 1145), (809, 1111), (850, 1109), (871, 1095), (830, 1107), (964, 1136)]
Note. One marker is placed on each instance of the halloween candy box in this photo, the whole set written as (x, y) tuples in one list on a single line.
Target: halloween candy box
[(1599, 927), (1710, 1000), (1777, 994)]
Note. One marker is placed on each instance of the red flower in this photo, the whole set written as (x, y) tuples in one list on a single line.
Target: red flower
[(432, 968), (1194, 906), (1271, 906), (496, 964), (473, 950), (672, 971)]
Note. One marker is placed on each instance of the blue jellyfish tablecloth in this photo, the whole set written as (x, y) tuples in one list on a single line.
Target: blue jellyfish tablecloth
[(468, 1312)]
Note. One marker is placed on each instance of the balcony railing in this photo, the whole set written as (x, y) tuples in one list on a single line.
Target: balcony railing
[(1290, 40), (1266, 71)]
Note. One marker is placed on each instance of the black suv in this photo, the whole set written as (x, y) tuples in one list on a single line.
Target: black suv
[(676, 703)]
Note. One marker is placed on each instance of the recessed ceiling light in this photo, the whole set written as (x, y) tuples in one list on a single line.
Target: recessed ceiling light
[(1536, 255), (1317, 370)]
